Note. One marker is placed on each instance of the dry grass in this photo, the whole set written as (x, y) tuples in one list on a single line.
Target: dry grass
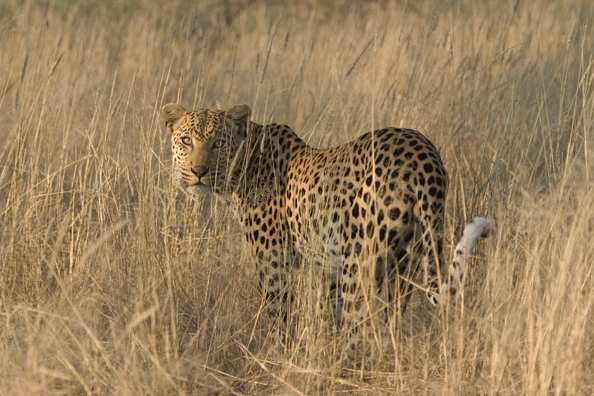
[(114, 282)]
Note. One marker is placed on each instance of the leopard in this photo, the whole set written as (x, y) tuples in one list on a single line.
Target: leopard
[(369, 212)]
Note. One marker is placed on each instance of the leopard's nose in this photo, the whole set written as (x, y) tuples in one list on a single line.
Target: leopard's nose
[(199, 171)]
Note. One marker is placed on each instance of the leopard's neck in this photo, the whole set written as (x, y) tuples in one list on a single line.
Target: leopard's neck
[(263, 169)]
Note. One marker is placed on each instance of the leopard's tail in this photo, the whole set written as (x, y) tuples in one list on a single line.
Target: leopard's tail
[(477, 228)]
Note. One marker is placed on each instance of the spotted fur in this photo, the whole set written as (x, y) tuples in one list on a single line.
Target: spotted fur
[(371, 212)]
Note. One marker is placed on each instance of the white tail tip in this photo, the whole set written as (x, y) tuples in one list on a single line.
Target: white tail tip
[(477, 228)]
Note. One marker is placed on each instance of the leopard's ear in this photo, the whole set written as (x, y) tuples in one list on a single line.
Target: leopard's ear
[(172, 113), (237, 118)]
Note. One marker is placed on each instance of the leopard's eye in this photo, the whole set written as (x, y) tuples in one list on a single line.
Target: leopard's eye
[(218, 144), (186, 140)]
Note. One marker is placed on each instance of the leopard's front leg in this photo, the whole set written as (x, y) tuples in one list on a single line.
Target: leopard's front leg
[(273, 267), (274, 255)]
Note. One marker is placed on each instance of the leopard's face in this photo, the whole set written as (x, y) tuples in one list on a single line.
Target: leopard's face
[(206, 147)]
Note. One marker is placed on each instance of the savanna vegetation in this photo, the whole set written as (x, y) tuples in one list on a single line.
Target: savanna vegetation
[(114, 281)]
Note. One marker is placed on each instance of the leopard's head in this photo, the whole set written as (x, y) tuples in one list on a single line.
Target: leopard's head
[(207, 147)]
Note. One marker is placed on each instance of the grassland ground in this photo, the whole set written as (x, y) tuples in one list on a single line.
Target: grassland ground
[(113, 281)]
